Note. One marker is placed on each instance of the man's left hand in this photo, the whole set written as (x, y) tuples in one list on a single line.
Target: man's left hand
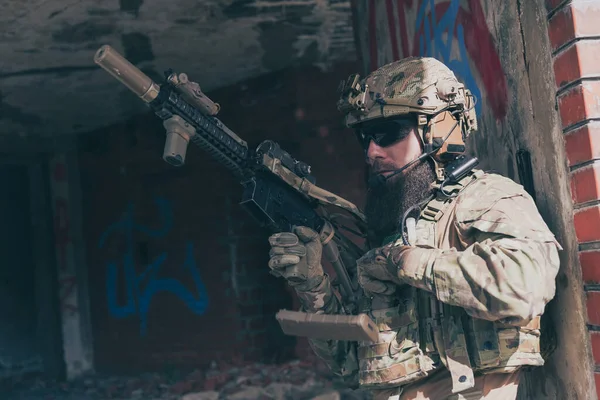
[(377, 274)]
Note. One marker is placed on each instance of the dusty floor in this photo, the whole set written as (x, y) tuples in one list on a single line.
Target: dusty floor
[(295, 380)]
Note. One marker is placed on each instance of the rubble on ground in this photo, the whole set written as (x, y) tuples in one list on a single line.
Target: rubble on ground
[(296, 380)]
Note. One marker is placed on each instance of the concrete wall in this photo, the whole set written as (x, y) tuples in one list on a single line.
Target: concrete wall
[(502, 51), (178, 272), (51, 86)]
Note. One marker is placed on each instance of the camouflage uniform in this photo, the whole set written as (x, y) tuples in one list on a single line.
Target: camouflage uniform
[(460, 305), (486, 259)]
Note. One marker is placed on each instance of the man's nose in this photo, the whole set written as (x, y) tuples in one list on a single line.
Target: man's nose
[(374, 151)]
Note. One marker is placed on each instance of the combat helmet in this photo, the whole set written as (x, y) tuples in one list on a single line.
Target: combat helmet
[(422, 87)]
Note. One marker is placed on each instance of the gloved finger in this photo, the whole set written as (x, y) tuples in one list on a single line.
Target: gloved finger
[(376, 286), (375, 264), (283, 239), (298, 250), (276, 273), (295, 273), (283, 261), (305, 234), (379, 271), (372, 257)]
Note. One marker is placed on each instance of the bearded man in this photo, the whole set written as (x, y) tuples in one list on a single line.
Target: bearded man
[(461, 264)]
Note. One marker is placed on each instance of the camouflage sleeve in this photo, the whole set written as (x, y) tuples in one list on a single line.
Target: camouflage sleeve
[(508, 267), (340, 356)]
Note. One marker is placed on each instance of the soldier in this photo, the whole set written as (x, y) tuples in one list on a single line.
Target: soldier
[(461, 264)]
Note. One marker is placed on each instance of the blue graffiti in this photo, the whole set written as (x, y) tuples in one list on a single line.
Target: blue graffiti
[(139, 296), (433, 33)]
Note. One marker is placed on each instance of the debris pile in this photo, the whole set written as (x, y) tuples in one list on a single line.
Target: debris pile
[(296, 380)]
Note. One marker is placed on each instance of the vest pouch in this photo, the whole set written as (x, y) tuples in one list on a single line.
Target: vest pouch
[(520, 345), (482, 341), (397, 358)]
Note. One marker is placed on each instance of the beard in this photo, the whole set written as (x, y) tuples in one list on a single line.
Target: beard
[(386, 203)]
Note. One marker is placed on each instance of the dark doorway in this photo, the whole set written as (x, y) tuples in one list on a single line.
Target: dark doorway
[(18, 316)]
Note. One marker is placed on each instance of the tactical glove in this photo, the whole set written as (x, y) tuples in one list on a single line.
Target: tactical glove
[(296, 256), (376, 272)]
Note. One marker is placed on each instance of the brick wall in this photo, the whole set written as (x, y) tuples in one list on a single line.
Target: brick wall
[(574, 35), (210, 297)]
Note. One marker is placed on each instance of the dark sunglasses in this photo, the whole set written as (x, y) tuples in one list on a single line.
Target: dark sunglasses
[(385, 133)]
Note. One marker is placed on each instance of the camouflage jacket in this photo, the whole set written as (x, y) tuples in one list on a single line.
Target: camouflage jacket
[(492, 257)]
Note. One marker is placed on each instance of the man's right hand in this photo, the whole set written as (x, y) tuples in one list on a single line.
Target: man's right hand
[(296, 256)]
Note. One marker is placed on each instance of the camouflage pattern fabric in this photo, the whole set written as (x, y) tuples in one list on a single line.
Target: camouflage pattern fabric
[(406, 81), (420, 85), (493, 266), (506, 271)]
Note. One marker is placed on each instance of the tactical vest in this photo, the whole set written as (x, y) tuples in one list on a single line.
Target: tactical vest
[(419, 335)]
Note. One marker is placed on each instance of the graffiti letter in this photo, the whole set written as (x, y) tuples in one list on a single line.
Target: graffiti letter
[(139, 295)]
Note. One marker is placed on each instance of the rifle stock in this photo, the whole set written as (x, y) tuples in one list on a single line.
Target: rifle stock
[(279, 191)]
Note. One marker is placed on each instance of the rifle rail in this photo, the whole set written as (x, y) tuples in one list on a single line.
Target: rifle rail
[(211, 134)]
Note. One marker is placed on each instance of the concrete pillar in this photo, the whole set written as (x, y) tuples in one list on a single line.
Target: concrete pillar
[(49, 332), (70, 259)]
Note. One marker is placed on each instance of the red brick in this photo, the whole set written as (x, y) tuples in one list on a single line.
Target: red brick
[(249, 296), (585, 184), (566, 66), (303, 349), (597, 381), (579, 60), (595, 338), (590, 266), (252, 353), (593, 307), (589, 57), (561, 28), (249, 310), (587, 224), (579, 103), (586, 15), (254, 323), (258, 341), (576, 20), (583, 144)]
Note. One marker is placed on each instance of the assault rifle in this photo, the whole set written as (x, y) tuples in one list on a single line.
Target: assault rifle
[(278, 190)]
